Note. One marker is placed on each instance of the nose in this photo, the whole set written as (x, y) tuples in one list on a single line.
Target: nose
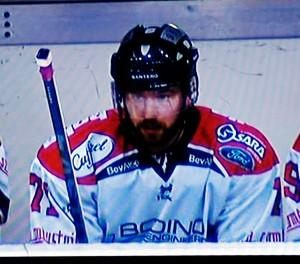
[(151, 108)]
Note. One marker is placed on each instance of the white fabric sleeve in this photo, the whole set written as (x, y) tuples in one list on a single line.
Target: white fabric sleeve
[(50, 218), (252, 210)]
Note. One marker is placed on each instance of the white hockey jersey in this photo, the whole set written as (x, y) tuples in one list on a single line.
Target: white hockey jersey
[(223, 185), (4, 194), (291, 193)]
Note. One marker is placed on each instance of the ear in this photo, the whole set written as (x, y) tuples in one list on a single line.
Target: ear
[(188, 101)]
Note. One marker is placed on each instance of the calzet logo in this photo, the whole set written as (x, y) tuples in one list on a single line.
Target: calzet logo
[(228, 132), (92, 150), (238, 156)]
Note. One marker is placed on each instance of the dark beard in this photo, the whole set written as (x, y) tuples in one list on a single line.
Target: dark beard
[(154, 125), (150, 124), (157, 143), (183, 127)]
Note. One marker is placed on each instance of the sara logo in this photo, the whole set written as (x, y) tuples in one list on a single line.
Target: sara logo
[(238, 156), (92, 150), (228, 132)]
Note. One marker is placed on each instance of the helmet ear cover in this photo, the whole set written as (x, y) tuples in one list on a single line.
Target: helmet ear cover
[(155, 58)]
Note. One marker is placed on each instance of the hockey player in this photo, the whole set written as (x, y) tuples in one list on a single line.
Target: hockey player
[(291, 193), (158, 168), (4, 195)]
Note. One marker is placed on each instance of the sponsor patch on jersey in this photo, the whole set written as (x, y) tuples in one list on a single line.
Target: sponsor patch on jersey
[(94, 149), (199, 158), (228, 133), (163, 230), (238, 156), (123, 165)]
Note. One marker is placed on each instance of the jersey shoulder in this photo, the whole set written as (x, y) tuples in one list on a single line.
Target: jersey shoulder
[(241, 148), (296, 145), (89, 139)]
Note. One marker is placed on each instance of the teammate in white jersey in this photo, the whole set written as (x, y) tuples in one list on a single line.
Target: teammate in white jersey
[(158, 168), (4, 194), (291, 193)]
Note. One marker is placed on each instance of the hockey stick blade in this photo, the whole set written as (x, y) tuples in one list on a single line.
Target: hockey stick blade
[(44, 61)]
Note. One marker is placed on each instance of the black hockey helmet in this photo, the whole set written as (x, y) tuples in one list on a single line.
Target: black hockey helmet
[(155, 58)]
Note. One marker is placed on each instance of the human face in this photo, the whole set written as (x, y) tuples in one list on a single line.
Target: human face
[(154, 112)]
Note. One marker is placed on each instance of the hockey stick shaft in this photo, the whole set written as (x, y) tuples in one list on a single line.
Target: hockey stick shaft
[(44, 60)]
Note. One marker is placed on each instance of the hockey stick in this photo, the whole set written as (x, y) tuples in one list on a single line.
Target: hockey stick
[(44, 61)]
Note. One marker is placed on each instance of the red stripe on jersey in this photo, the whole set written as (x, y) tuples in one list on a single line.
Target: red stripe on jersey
[(50, 160), (87, 180), (102, 125), (296, 145), (50, 157), (206, 135)]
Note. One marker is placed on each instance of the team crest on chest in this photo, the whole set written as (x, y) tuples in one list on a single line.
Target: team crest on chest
[(165, 192)]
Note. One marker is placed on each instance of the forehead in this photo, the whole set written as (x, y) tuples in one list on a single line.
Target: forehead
[(173, 90)]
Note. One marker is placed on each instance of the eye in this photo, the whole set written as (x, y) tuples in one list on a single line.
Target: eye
[(163, 96), (137, 96)]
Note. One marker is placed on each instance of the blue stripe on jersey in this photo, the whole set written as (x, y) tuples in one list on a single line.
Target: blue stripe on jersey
[(4, 206), (122, 165), (192, 157), (217, 169), (200, 158)]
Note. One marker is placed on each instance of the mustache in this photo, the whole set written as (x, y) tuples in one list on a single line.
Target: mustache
[(150, 124)]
